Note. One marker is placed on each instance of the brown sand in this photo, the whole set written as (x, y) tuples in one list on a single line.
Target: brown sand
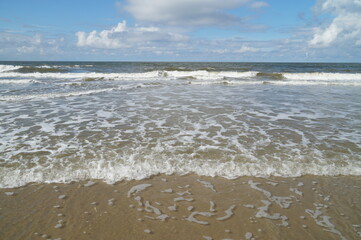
[(277, 208)]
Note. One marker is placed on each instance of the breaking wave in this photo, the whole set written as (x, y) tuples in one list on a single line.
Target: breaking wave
[(6, 68), (17, 81), (137, 171), (43, 69), (201, 74), (323, 76)]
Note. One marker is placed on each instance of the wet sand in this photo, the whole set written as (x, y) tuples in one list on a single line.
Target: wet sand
[(185, 207)]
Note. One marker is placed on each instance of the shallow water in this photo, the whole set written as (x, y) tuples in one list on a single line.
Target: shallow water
[(72, 121)]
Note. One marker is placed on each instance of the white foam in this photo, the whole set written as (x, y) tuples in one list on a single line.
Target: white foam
[(166, 75), (323, 76), (324, 221), (317, 82), (207, 185), (80, 76), (191, 217), (295, 190), (52, 95), (173, 208), (184, 193), (212, 206), (169, 190), (263, 213), (203, 75), (111, 201), (193, 77), (139, 200), (207, 237), (229, 213), (62, 197), (178, 199), (272, 183), (150, 208), (138, 188), (10, 177), (89, 184), (17, 81), (6, 68), (248, 205), (248, 235), (283, 202), (179, 132)]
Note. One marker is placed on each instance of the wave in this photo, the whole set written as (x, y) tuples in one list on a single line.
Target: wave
[(314, 83), (272, 82), (41, 69), (203, 74), (200, 74), (17, 81), (79, 76), (77, 93), (184, 69), (314, 78), (323, 76), (90, 79), (275, 76), (136, 171), (52, 95), (6, 68)]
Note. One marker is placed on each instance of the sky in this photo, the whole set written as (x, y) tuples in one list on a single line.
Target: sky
[(181, 30)]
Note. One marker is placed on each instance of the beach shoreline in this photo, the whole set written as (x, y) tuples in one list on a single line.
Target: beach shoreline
[(185, 207)]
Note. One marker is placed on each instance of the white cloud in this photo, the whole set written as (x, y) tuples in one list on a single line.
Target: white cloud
[(122, 36), (184, 12), (21, 46), (247, 49), (345, 27), (25, 49), (259, 5), (105, 38)]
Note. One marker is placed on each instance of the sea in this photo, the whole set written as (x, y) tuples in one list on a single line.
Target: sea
[(113, 121)]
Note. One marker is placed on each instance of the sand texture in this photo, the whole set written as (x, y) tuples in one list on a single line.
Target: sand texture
[(185, 207)]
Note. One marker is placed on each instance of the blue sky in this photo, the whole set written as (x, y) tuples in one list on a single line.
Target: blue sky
[(181, 30)]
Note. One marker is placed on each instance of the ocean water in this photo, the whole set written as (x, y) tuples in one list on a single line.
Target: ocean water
[(65, 121)]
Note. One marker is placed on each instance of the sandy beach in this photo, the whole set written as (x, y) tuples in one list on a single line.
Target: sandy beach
[(185, 207)]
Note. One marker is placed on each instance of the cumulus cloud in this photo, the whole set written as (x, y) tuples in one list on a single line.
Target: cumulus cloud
[(345, 26), (122, 36), (185, 12), (103, 39)]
